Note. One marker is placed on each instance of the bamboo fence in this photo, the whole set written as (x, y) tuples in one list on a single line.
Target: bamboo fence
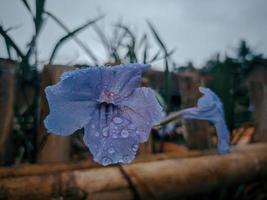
[(169, 178)]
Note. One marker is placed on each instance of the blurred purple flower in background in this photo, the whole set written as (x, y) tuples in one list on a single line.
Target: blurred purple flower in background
[(209, 107), (108, 102)]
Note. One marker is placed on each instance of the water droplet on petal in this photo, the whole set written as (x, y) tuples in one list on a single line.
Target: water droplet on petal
[(115, 135), (134, 147), (105, 132), (97, 134), (111, 150), (117, 120), (106, 161), (124, 133), (131, 127), (112, 131), (126, 158)]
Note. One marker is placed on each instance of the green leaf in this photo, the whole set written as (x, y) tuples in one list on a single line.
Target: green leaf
[(86, 49), (166, 61), (62, 40), (131, 47), (157, 37), (103, 39), (27, 5), (155, 57), (39, 10), (11, 42), (8, 48)]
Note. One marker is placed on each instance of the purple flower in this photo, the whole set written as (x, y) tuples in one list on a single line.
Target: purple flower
[(108, 102), (209, 107)]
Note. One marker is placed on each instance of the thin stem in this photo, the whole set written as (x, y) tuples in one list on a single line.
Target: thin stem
[(168, 119)]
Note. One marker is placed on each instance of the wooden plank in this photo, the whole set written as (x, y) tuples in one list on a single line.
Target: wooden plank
[(197, 132), (52, 148), (7, 97), (257, 85)]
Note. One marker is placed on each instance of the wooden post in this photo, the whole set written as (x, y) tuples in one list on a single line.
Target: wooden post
[(257, 85), (164, 179), (52, 148), (197, 132), (145, 148), (7, 96)]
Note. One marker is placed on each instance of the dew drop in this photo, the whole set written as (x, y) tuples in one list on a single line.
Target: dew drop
[(111, 150), (124, 133), (131, 127), (112, 131), (106, 161), (117, 120), (140, 133), (134, 147), (105, 132), (115, 135), (126, 158), (97, 134)]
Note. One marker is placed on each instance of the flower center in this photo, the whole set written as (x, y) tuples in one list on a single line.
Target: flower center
[(107, 97)]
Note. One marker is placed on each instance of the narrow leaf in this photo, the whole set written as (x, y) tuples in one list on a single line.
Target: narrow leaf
[(103, 39), (11, 42), (69, 35), (40, 4), (157, 37), (27, 5), (8, 47), (155, 57), (86, 49)]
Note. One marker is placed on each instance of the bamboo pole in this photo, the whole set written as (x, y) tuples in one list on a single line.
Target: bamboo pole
[(52, 148), (7, 96), (165, 179), (45, 168)]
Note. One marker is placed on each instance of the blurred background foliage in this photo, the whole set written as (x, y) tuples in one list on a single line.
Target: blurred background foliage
[(229, 82)]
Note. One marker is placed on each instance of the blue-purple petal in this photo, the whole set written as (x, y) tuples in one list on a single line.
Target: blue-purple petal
[(72, 100), (110, 137), (223, 137), (67, 114), (106, 101), (212, 98), (120, 81), (143, 110), (209, 107)]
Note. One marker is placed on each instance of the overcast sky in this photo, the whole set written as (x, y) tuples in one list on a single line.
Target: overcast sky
[(197, 29)]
